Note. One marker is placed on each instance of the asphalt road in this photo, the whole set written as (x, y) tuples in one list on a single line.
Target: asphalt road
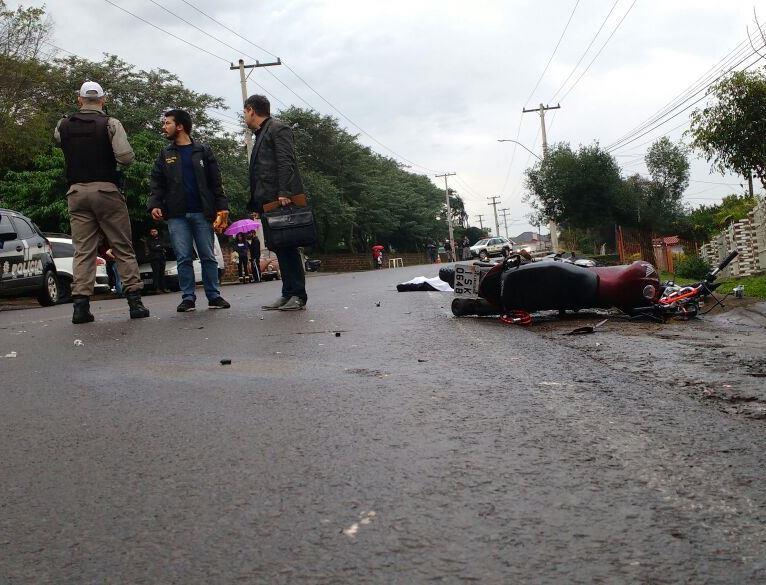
[(414, 447)]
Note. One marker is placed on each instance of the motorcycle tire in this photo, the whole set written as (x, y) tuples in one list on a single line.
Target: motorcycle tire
[(477, 307)]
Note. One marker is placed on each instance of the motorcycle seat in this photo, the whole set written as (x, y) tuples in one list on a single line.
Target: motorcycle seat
[(541, 286)]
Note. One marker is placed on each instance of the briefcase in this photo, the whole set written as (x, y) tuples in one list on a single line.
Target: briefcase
[(290, 227)]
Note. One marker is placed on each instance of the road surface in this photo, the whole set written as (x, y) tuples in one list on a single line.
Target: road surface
[(412, 447)]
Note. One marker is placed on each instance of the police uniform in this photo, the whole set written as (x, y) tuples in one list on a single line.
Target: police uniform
[(93, 145)]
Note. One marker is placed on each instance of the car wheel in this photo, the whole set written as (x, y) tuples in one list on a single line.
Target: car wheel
[(483, 256), (49, 295), (65, 290)]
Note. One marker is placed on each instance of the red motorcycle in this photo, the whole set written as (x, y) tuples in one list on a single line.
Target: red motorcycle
[(518, 286)]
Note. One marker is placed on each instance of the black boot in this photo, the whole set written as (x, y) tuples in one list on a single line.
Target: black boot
[(81, 313), (137, 309)]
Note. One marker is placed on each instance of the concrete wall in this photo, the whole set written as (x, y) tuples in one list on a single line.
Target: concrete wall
[(748, 237), (339, 262)]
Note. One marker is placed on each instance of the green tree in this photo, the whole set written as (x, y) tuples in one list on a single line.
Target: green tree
[(581, 190), (654, 204), (23, 72), (730, 131)]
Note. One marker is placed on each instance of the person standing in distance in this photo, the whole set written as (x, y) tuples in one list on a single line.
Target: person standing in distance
[(155, 252), (93, 145), (274, 177), (186, 190)]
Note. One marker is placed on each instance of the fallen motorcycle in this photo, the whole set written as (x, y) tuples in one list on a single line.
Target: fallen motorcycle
[(516, 287)]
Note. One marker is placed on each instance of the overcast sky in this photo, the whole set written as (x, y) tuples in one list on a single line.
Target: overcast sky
[(439, 81)]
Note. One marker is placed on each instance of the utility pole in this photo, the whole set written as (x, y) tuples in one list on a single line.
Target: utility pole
[(481, 221), (541, 110), (449, 212), (243, 84), (506, 212), (494, 202)]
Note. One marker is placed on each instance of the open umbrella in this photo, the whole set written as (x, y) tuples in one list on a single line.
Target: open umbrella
[(242, 226), (378, 248)]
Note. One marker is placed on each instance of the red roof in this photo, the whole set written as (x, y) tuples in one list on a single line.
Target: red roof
[(667, 240)]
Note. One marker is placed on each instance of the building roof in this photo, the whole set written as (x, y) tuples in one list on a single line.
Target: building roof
[(667, 240), (525, 237)]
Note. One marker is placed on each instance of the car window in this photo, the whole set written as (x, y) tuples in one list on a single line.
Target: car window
[(23, 228), (494, 241), (5, 221), (481, 242), (62, 250)]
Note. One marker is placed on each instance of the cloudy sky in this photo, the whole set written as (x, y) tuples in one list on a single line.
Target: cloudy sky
[(437, 83)]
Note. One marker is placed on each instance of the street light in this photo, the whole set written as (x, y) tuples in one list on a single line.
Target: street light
[(520, 144)]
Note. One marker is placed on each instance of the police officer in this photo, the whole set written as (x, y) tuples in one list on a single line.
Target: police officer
[(93, 145)]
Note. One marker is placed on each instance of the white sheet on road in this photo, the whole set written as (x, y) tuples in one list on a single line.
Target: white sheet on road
[(437, 283)]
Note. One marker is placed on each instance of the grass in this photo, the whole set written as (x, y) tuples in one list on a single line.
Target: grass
[(755, 286)]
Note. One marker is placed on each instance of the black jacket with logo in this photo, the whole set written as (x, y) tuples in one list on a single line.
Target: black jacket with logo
[(273, 167), (167, 188)]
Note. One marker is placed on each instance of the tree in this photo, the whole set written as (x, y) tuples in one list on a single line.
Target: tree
[(34, 182), (653, 205), (702, 223), (730, 131), (23, 126), (578, 189)]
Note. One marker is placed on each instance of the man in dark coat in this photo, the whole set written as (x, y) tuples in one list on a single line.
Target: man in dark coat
[(274, 177)]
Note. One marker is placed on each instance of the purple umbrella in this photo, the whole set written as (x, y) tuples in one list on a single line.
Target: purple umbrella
[(242, 226)]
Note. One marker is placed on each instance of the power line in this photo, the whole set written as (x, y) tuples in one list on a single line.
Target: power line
[(633, 137), (593, 40), (287, 66), (167, 32), (702, 82), (609, 38), (553, 54), (225, 44)]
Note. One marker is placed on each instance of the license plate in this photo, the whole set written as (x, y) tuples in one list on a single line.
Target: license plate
[(466, 280)]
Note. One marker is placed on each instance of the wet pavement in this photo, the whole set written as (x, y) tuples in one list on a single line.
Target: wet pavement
[(413, 447)]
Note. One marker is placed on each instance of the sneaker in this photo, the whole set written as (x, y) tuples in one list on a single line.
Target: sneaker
[(275, 305), (293, 304), (186, 306), (218, 303)]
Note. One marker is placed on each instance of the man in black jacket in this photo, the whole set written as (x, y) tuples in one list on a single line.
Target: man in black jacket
[(155, 253), (274, 177), (186, 190)]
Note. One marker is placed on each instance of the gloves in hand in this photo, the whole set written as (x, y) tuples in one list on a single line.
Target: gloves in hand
[(221, 221)]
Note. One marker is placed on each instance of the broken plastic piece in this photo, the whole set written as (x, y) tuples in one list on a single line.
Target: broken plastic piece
[(225, 362)]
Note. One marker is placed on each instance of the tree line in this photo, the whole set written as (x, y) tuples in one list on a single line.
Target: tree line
[(585, 191), (359, 196)]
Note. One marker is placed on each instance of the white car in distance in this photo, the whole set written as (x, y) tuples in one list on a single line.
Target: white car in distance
[(62, 251), (491, 247)]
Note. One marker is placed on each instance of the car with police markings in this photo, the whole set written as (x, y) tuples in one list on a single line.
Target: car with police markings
[(26, 265)]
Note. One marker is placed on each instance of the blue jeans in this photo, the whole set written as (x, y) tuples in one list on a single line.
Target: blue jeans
[(185, 233)]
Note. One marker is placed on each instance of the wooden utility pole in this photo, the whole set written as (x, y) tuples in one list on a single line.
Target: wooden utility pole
[(449, 213), (494, 202), (506, 212), (480, 216), (243, 84), (541, 110)]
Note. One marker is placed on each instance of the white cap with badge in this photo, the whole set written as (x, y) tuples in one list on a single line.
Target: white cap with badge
[(91, 89)]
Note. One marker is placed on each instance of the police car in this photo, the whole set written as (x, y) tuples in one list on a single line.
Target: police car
[(26, 265), (62, 250)]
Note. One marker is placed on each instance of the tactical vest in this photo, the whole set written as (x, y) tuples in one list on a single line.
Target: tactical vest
[(87, 148)]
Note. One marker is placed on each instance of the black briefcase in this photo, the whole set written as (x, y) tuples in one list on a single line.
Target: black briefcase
[(290, 227)]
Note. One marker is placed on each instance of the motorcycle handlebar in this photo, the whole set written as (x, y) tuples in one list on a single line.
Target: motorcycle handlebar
[(726, 261)]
